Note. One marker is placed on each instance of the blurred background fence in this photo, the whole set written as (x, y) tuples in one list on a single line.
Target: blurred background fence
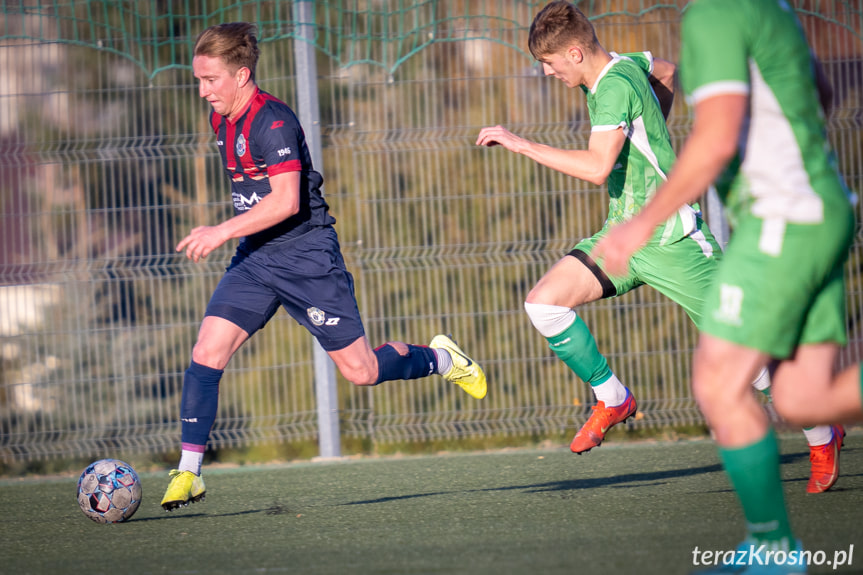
[(106, 161)]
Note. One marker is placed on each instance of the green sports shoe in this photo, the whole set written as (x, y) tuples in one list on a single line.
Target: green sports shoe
[(185, 488), (465, 371)]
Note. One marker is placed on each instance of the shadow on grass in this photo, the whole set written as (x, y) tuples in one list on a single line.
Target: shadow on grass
[(652, 477), (617, 481), (268, 511)]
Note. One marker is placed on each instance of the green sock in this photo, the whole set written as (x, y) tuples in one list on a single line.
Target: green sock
[(754, 473), (577, 348)]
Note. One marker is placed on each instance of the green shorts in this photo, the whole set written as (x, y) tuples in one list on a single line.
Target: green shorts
[(795, 295), (683, 270)]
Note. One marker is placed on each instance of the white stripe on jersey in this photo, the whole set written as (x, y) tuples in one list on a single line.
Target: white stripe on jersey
[(717, 89), (773, 163)]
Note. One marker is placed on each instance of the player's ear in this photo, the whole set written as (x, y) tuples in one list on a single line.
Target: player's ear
[(575, 54), (243, 76)]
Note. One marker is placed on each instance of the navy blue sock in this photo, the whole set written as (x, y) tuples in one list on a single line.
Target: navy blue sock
[(421, 361), (200, 402)]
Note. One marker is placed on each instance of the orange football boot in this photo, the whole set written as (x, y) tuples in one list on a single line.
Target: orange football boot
[(603, 418), (825, 462)]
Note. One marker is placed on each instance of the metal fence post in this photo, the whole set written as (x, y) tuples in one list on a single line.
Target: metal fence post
[(326, 395)]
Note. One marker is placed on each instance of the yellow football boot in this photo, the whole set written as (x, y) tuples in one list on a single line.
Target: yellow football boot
[(465, 372), (185, 488)]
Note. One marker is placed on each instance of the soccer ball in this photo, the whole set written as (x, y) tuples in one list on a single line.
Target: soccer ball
[(109, 491)]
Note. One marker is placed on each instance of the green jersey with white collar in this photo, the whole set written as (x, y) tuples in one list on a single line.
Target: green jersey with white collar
[(621, 98)]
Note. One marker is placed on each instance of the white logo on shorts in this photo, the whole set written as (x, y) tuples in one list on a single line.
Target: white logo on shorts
[(730, 304), (317, 316)]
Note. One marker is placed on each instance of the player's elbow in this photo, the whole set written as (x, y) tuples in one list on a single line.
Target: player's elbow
[(598, 177), (288, 211)]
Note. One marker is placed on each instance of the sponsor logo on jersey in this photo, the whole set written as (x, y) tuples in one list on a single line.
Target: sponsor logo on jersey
[(277, 124), (243, 203), (241, 145), (220, 142)]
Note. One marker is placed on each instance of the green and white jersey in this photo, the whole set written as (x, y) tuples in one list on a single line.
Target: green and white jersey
[(622, 97), (785, 170)]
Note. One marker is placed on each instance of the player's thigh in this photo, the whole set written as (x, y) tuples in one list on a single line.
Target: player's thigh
[(570, 282), (682, 271), (806, 390), (243, 296), (608, 285), (773, 302), (809, 371), (316, 289), (724, 368), (218, 340)]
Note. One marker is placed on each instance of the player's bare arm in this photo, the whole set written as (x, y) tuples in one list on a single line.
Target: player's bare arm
[(663, 80), (592, 165), (280, 204), (710, 146)]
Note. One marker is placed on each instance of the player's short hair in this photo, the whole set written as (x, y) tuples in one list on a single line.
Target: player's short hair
[(557, 27), (235, 43)]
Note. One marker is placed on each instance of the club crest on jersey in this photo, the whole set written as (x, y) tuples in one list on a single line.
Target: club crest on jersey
[(317, 316), (241, 145)]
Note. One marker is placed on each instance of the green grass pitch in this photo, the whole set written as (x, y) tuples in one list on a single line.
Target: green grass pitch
[(636, 508)]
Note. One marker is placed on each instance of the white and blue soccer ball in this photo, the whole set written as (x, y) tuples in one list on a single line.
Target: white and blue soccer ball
[(109, 491)]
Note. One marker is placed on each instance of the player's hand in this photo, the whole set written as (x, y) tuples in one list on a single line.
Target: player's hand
[(201, 242), (498, 135), (615, 249)]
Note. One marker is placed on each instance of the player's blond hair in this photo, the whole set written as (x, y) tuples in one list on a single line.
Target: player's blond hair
[(235, 43), (557, 27)]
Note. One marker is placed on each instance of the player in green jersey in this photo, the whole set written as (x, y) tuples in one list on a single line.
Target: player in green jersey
[(630, 148), (759, 133)]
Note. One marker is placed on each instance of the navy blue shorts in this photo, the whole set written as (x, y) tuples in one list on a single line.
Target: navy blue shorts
[(306, 275)]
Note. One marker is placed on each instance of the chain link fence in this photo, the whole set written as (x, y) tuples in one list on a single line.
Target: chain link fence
[(106, 161)]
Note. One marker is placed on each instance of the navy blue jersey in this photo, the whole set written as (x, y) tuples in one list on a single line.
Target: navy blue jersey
[(267, 140)]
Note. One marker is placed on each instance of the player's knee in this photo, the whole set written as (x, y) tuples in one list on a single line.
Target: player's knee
[(211, 356), (549, 320), (536, 295)]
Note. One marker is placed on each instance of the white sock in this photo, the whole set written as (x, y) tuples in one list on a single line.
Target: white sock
[(818, 435), (611, 391), (444, 360), (191, 461), (762, 380)]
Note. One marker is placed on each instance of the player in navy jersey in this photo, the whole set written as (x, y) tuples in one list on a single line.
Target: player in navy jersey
[(288, 255)]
